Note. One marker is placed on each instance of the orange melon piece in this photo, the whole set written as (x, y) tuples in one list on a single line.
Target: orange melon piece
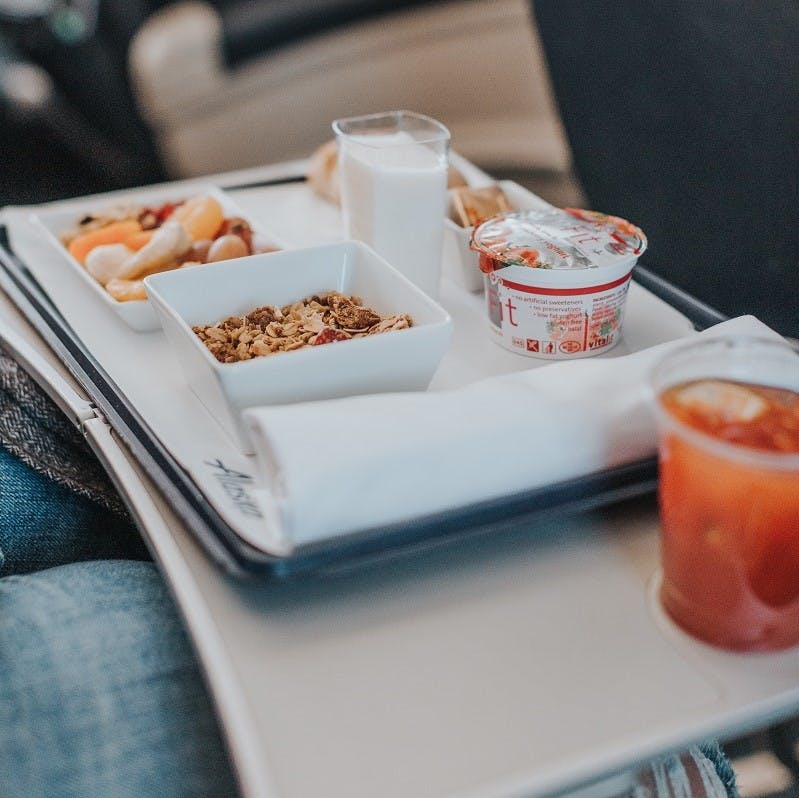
[(126, 290), (138, 240), (201, 217), (114, 233)]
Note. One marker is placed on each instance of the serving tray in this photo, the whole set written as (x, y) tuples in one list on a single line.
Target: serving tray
[(134, 384)]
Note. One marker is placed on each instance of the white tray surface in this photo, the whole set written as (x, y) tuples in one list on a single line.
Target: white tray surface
[(513, 665), (144, 368)]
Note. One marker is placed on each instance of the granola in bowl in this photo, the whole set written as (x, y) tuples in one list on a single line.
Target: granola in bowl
[(312, 321), (225, 368)]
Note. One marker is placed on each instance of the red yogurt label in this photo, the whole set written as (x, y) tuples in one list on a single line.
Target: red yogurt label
[(556, 323)]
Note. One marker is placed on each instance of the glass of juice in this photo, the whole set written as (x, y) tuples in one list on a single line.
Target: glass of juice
[(728, 416), (393, 170)]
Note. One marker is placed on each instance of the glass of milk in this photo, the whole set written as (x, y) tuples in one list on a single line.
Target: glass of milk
[(394, 189)]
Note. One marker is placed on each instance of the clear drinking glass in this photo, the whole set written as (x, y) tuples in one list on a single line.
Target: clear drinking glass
[(728, 413), (394, 189)]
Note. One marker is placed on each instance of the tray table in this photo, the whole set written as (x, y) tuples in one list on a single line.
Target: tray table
[(530, 661)]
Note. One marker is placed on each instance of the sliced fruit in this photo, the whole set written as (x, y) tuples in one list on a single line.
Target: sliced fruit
[(107, 261), (724, 400), (114, 233), (201, 217), (126, 290)]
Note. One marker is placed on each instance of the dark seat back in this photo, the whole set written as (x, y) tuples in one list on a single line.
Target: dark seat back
[(252, 28), (684, 118)]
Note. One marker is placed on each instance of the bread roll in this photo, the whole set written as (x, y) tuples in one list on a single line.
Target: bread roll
[(323, 174)]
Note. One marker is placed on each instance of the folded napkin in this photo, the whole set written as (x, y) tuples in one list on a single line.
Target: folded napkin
[(346, 465)]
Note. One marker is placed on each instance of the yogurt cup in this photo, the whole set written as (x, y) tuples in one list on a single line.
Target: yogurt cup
[(556, 280)]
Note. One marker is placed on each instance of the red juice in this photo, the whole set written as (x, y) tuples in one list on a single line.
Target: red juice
[(729, 499)]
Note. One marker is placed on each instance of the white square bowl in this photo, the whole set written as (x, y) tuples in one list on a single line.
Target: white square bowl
[(138, 314), (400, 360), (457, 239)]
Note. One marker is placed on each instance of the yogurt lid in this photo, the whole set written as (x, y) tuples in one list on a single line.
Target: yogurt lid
[(557, 239)]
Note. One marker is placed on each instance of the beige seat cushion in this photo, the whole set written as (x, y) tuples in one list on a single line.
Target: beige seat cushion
[(478, 67)]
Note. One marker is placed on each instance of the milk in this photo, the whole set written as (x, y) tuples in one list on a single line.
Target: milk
[(394, 193)]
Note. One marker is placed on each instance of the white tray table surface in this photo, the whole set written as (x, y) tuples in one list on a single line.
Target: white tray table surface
[(522, 663), (147, 371)]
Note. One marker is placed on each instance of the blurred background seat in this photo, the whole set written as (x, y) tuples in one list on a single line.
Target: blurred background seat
[(683, 120), (225, 85), (140, 90), (68, 121)]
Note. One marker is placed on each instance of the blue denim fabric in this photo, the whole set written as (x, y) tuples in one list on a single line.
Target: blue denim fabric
[(99, 691), (43, 524)]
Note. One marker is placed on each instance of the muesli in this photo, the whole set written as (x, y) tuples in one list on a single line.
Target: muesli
[(313, 321)]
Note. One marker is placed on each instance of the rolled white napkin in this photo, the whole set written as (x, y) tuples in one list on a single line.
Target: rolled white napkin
[(346, 465)]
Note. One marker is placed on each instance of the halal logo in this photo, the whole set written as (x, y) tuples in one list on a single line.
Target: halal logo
[(570, 347)]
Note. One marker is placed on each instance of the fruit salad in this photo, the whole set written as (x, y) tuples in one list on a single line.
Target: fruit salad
[(121, 246)]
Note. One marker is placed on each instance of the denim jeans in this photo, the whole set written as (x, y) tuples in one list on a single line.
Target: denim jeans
[(43, 524), (100, 694)]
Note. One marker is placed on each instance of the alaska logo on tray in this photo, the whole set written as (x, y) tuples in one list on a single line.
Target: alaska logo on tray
[(236, 485)]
